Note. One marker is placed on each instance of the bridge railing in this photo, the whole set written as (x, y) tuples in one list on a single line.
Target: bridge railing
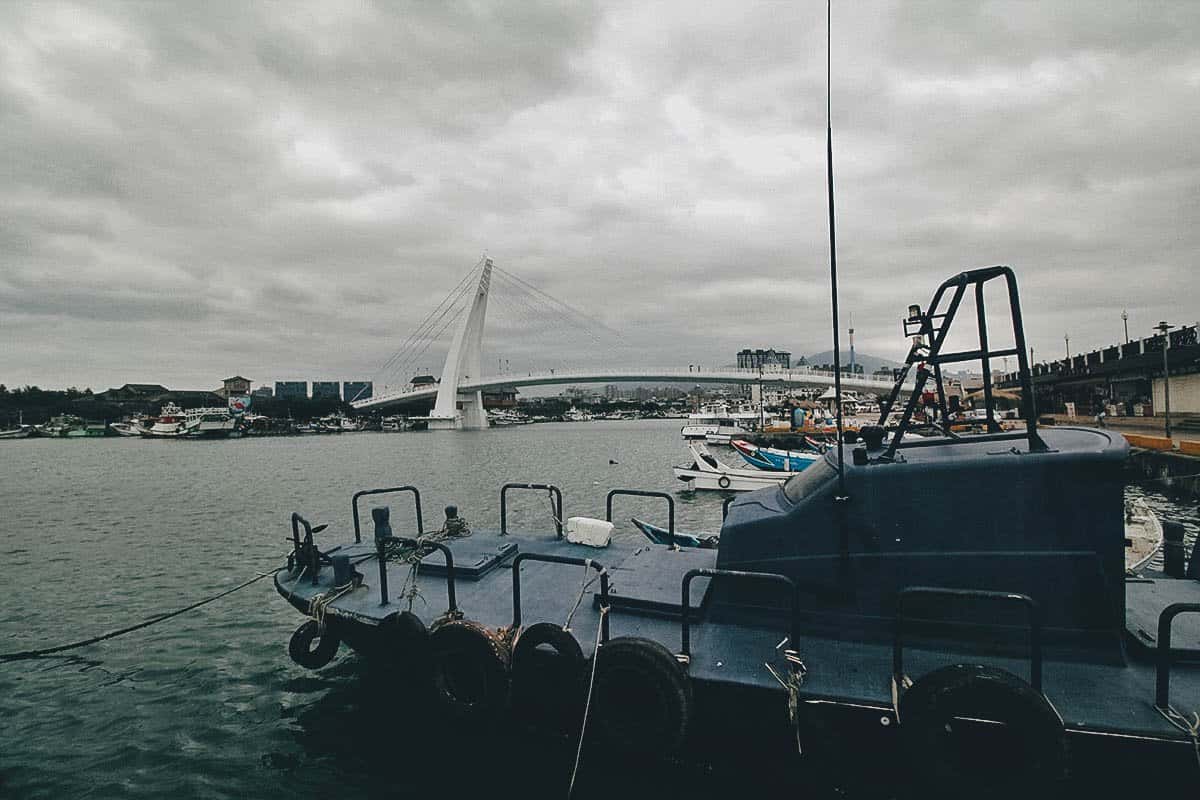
[(735, 374)]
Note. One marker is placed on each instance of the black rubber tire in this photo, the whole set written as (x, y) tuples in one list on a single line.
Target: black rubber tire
[(405, 643), (469, 668), (301, 650), (548, 674), (642, 700), (1028, 760), (723, 481)]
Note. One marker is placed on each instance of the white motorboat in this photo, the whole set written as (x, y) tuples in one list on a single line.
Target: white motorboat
[(719, 422), (171, 423), (16, 433), (210, 423), (706, 472), (125, 428), (1143, 534)]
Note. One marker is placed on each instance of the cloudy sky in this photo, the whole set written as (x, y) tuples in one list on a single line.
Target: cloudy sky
[(283, 191)]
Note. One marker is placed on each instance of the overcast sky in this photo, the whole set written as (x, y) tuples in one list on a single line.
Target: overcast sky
[(283, 191)]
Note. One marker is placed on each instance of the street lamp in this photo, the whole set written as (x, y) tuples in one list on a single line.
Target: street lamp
[(1067, 339), (1125, 319), (1162, 328)]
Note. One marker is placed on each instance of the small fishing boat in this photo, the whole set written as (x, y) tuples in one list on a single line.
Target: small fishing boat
[(708, 473), (69, 426), (1143, 534), (20, 432), (171, 423), (678, 538), (719, 422), (125, 428), (772, 459), (210, 423)]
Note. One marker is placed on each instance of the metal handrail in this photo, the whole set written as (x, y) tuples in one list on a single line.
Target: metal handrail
[(549, 559), (1162, 678), (1035, 624), (416, 499), (608, 507), (554, 490), (381, 553), (685, 648), (315, 562)]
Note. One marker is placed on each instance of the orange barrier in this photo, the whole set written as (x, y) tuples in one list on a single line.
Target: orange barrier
[(1149, 442), (1191, 448)]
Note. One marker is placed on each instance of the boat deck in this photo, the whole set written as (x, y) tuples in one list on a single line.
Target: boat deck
[(645, 601)]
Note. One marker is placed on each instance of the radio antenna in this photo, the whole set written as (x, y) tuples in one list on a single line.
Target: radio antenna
[(837, 355)]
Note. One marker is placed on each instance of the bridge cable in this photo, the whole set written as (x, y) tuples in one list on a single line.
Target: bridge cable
[(451, 297)]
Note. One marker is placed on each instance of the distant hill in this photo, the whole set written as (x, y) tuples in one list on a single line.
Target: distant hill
[(869, 362)]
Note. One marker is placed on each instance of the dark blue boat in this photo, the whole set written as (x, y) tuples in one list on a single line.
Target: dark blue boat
[(953, 610)]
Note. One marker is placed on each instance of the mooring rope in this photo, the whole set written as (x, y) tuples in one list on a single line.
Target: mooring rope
[(584, 585), (792, 684), (588, 705), (1189, 725), (45, 651)]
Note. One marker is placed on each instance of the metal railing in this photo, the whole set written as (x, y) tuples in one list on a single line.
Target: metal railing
[(1162, 678), (1035, 624), (608, 507), (557, 504), (416, 499), (550, 559)]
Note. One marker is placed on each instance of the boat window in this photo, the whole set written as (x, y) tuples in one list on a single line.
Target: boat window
[(806, 483)]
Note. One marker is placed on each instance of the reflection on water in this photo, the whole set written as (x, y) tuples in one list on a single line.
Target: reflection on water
[(101, 533)]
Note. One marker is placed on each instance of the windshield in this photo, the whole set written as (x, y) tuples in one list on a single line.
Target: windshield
[(807, 482)]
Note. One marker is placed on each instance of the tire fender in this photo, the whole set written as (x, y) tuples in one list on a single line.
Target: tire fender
[(548, 671), (303, 653), (470, 666), (1030, 760), (642, 699), (723, 481)]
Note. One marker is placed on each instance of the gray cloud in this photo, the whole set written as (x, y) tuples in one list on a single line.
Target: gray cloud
[(191, 190)]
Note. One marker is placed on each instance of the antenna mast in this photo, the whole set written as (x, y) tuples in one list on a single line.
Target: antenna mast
[(837, 356)]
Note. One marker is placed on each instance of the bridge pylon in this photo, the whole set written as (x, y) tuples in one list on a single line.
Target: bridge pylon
[(454, 409)]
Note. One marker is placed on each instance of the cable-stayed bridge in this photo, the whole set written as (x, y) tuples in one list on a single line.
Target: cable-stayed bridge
[(458, 397)]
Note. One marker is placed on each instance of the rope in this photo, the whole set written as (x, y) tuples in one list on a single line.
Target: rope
[(27, 654), (553, 514), (584, 585), (795, 679), (1189, 725), (320, 603), (454, 528), (588, 705)]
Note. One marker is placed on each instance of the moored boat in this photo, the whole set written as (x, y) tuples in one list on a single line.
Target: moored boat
[(1143, 534), (708, 473), (171, 423), (839, 612), (773, 459)]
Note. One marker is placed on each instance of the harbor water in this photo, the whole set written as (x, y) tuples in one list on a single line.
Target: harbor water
[(102, 533)]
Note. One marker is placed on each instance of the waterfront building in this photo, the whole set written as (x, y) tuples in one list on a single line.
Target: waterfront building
[(326, 390), (764, 359), (1125, 379), (237, 386), (291, 390), (263, 391)]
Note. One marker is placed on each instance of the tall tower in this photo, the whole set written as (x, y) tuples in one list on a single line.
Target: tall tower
[(463, 362)]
